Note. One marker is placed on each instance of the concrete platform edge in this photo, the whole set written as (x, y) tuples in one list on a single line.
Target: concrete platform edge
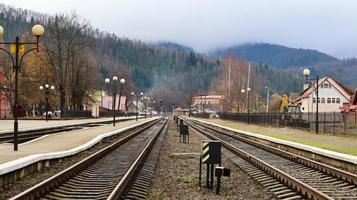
[(28, 160), (327, 153)]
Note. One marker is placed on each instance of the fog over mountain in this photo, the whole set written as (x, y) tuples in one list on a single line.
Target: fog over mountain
[(327, 26)]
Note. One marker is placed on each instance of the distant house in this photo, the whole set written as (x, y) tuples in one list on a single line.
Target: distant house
[(208, 102), (350, 109), (332, 96), (107, 103), (179, 111)]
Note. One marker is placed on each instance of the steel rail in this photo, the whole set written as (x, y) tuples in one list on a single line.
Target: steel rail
[(36, 191), (299, 186), (327, 169), (123, 183)]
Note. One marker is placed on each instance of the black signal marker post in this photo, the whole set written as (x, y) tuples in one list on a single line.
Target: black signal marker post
[(219, 172), (184, 134), (211, 155)]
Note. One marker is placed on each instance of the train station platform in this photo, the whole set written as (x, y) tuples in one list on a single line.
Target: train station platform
[(7, 126), (334, 150), (59, 145), (345, 144)]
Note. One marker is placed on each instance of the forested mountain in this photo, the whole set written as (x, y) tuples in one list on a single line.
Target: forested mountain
[(167, 70), (77, 58), (295, 60), (173, 45), (276, 55)]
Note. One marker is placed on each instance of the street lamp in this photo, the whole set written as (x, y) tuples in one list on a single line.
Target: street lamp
[(107, 81), (18, 47), (122, 81), (242, 91), (306, 73), (137, 105), (268, 89), (145, 99), (248, 91), (115, 79), (47, 89)]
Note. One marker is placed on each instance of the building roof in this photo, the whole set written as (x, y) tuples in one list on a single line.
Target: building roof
[(339, 86), (354, 98), (209, 96), (178, 109)]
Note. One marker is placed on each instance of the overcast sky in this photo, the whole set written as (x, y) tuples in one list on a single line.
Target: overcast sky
[(326, 25)]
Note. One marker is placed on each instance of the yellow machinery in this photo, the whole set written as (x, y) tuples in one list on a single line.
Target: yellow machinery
[(288, 107)]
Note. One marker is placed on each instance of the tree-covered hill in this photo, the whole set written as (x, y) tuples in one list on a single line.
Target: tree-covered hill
[(276, 55)]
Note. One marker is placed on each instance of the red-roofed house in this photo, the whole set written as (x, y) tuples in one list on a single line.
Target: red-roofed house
[(332, 96), (351, 109)]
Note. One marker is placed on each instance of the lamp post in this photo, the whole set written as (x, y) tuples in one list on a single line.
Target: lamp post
[(248, 91), (268, 89), (137, 106), (107, 81), (18, 47), (306, 73), (145, 98), (161, 107), (242, 91), (122, 81), (47, 89)]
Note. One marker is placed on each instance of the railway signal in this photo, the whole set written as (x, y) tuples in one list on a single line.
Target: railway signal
[(211, 155)]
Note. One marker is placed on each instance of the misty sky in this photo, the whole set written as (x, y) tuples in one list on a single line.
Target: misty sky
[(326, 25)]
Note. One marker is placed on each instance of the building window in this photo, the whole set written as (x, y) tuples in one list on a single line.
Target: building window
[(325, 85), (338, 100), (333, 100), (313, 100), (318, 100), (322, 100), (328, 100)]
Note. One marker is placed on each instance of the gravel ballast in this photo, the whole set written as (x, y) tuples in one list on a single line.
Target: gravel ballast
[(176, 176)]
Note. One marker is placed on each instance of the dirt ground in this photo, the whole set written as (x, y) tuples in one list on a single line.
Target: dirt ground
[(177, 174), (340, 143)]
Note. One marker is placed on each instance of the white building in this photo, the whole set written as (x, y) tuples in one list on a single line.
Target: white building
[(332, 95)]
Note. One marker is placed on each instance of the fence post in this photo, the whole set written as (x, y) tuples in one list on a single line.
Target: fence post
[(344, 122), (324, 122), (333, 123)]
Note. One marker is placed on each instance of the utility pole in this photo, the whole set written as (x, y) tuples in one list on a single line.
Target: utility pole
[(229, 83)]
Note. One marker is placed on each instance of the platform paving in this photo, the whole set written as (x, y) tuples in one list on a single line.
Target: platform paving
[(8, 125), (59, 141)]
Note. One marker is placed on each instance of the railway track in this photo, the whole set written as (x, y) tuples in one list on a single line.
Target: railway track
[(287, 175), (105, 174), (28, 135)]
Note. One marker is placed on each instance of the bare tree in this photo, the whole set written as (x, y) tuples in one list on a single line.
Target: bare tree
[(66, 36)]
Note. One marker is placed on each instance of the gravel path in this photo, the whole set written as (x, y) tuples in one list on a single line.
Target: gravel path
[(177, 174)]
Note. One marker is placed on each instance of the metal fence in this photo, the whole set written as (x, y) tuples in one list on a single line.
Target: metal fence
[(334, 122), (201, 115)]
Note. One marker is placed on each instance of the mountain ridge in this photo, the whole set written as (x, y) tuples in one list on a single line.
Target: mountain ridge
[(275, 55)]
